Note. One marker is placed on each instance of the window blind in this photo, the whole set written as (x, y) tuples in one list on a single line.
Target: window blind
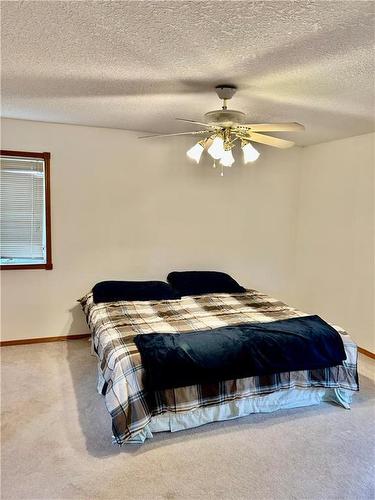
[(22, 210)]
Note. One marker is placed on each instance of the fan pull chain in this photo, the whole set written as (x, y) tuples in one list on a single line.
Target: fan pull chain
[(214, 164), (222, 171)]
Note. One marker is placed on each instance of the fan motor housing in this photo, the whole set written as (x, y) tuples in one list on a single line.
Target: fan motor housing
[(225, 117)]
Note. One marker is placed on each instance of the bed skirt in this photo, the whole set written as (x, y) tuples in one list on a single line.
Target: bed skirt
[(278, 400)]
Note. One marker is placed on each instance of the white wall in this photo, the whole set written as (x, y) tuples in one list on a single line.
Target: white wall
[(129, 209), (298, 224), (335, 235)]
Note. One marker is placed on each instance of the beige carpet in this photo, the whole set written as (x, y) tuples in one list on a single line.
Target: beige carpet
[(57, 443)]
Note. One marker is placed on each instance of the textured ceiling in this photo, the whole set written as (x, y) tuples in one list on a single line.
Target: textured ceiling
[(138, 64)]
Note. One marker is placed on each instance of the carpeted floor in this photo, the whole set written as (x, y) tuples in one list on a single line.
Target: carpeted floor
[(57, 443)]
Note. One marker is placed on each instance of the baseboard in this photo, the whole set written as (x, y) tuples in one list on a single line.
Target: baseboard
[(366, 352), (40, 340)]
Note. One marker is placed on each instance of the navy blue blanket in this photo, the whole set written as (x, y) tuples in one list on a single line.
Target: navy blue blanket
[(231, 352)]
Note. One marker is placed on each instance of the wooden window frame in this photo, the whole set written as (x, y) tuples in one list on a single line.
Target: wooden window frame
[(47, 197)]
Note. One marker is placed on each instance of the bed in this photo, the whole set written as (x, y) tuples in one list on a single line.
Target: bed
[(137, 413)]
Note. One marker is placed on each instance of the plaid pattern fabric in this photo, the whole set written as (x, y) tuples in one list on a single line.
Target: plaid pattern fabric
[(115, 324)]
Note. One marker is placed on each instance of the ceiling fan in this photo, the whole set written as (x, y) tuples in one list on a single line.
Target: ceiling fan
[(223, 127)]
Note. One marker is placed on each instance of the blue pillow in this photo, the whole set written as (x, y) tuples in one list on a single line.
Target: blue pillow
[(201, 282), (113, 291)]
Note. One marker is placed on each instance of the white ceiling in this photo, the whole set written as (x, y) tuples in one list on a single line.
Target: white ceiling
[(139, 64)]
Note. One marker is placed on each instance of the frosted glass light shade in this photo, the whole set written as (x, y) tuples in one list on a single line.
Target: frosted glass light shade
[(195, 152), (216, 150), (249, 153), (227, 158)]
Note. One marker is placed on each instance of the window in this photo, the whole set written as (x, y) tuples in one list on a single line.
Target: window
[(25, 235)]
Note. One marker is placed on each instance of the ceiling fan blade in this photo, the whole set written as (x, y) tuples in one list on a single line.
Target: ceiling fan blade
[(275, 127), (196, 132), (270, 141), (197, 123)]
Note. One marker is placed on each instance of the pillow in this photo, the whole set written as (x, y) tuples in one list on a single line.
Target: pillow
[(112, 291), (201, 282)]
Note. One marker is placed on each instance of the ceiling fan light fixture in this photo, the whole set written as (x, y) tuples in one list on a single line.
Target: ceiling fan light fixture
[(250, 154), (227, 158), (223, 127), (216, 150), (196, 151)]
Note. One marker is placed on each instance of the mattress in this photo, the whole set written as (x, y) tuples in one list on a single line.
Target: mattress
[(136, 413), (282, 399)]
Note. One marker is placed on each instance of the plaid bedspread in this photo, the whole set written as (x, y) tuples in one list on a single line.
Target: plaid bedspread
[(115, 324)]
